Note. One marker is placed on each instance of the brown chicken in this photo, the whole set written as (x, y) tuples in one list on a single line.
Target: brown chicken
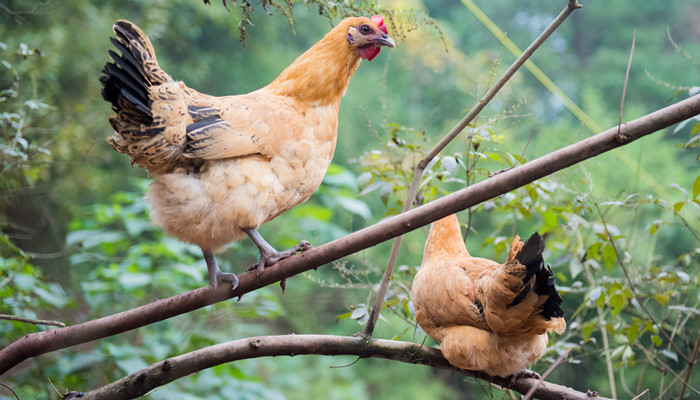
[(486, 316), (223, 166)]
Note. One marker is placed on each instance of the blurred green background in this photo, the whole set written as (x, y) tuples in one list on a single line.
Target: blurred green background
[(77, 243)]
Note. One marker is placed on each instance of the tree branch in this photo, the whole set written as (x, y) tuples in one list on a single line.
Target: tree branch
[(31, 320), (161, 373), (35, 344)]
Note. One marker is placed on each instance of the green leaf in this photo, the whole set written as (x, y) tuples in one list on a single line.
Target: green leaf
[(593, 252), (550, 219), (343, 316), (134, 280), (340, 176), (587, 331), (360, 314), (695, 130), (632, 333), (618, 351), (595, 294), (524, 211), (677, 207), (653, 229), (355, 206), (609, 256), (575, 267), (662, 298), (656, 340), (673, 356), (696, 185), (617, 303), (601, 301), (311, 210)]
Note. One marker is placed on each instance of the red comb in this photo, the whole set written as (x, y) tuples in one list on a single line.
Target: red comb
[(379, 20)]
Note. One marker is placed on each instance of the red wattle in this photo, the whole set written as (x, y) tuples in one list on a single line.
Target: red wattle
[(369, 52)]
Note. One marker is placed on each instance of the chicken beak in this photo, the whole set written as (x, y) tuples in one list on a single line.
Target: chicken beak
[(385, 40)]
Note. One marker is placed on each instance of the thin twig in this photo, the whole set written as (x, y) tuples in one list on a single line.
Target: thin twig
[(420, 168), (532, 131), (604, 335), (691, 363), (10, 389), (18, 18), (642, 394), (663, 366), (32, 321), (347, 365), (627, 75), (549, 370)]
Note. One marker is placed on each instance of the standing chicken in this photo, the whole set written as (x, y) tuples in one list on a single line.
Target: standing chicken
[(223, 166), (486, 316)]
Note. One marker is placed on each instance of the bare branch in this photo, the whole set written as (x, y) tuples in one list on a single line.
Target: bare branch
[(627, 76), (161, 373), (420, 168), (32, 321), (691, 363), (10, 389), (43, 342)]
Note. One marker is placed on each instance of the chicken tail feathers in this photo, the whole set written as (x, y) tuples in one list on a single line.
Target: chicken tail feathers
[(126, 80), (530, 256), (150, 110)]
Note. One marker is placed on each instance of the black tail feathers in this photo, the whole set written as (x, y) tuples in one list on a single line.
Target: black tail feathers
[(126, 80), (531, 257)]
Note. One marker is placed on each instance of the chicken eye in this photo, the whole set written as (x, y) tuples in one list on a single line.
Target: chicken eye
[(365, 29)]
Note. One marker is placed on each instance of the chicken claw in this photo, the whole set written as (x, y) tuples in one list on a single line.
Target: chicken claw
[(215, 274), (526, 373), (268, 254)]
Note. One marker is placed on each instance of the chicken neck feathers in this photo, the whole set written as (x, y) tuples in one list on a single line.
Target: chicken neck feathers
[(163, 125)]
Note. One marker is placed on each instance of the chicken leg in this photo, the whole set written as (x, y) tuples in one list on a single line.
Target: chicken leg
[(268, 254), (215, 274)]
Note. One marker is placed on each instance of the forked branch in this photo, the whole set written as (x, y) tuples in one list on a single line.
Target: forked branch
[(161, 373)]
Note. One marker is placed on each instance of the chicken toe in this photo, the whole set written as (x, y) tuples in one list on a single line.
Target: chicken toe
[(215, 274), (268, 254), (526, 373)]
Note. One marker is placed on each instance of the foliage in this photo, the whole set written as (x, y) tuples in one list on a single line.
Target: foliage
[(404, 20), (626, 259), (20, 149)]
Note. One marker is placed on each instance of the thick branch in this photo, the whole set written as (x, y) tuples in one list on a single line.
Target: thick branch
[(43, 342), (161, 373)]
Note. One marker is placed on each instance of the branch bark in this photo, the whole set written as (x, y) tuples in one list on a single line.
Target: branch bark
[(158, 374), (43, 342)]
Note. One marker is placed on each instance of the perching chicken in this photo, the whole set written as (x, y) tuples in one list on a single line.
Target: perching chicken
[(486, 316), (223, 166)]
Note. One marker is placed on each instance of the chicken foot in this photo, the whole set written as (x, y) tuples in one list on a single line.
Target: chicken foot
[(526, 373), (215, 274), (268, 254)]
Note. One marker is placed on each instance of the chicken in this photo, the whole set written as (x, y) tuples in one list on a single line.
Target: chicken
[(486, 316), (223, 166)]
